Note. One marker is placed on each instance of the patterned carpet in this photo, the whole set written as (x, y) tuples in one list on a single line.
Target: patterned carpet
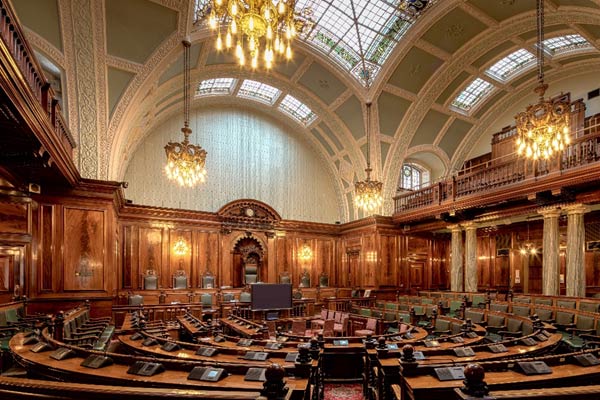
[(351, 391)]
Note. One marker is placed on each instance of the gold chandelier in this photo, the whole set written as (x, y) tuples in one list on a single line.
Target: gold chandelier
[(185, 161), (254, 28), (543, 129), (367, 193)]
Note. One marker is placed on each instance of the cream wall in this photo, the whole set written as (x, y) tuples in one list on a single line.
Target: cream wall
[(250, 155)]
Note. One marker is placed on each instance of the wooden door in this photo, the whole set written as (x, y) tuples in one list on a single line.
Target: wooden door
[(535, 273), (416, 275)]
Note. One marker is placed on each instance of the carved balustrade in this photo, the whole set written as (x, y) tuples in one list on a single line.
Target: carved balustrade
[(24, 58), (501, 174)]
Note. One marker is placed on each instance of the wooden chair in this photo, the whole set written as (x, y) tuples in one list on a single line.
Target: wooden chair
[(369, 329)]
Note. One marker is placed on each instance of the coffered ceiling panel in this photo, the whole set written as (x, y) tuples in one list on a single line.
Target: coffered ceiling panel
[(454, 30), (489, 103), (134, 28), (323, 142), (220, 57), (458, 81), (322, 82), (493, 53), (176, 68), (548, 31), (585, 57), (42, 17), (577, 3), (504, 9), (391, 111), (430, 128), (593, 30), (117, 82), (288, 68), (454, 135), (331, 136), (351, 113), (415, 69)]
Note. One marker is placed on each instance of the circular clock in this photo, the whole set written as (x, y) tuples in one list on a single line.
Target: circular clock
[(249, 212)]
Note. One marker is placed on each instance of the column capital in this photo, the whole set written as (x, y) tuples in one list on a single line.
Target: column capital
[(576, 209), (455, 228), (470, 225), (549, 212)]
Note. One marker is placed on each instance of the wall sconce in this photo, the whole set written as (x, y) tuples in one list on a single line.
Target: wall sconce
[(371, 256), (305, 253), (181, 248)]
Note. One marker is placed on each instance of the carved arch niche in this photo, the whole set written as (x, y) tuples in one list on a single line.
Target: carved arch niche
[(249, 258)]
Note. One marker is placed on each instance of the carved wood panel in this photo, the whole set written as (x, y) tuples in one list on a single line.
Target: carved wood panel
[(5, 272), (84, 239), (13, 217), (184, 261), (150, 252), (48, 246)]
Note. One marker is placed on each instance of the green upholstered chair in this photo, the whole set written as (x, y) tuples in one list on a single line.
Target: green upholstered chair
[(150, 280), (305, 279), (208, 280), (180, 280), (324, 280), (522, 311)]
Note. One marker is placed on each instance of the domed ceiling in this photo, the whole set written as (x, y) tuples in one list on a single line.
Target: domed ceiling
[(441, 75)]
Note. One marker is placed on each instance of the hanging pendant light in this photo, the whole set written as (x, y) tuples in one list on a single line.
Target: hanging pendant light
[(367, 193), (543, 129), (185, 161)]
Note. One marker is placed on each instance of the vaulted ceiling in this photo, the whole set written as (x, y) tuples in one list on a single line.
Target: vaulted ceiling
[(120, 64)]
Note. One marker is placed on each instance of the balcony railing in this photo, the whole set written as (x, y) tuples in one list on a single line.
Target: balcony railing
[(501, 174), (24, 59)]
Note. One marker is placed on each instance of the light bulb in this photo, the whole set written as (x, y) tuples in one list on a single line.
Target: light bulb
[(212, 22), (219, 43), (234, 9), (281, 7), (228, 40), (288, 52), (254, 61), (233, 27)]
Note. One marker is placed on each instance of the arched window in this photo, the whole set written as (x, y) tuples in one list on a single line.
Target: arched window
[(413, 177)]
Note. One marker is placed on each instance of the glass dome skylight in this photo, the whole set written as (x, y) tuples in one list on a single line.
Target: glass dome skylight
[(381, 24)]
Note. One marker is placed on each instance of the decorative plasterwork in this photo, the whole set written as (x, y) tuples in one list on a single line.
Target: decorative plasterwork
[(45, 47), (85, 78), (459, 62)]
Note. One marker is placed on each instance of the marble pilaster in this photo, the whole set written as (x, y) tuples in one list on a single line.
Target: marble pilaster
[(575, 272), (456, 265), (470, 257), (550, 259)]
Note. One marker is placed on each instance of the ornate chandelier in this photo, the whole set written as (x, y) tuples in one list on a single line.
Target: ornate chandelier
[(185, 161), (254, 28), (367, 193), (543, 129)]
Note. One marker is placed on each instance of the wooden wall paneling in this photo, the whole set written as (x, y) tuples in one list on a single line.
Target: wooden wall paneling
[(200, 255), (85, 247), (216, 253), (164, 279), (369, 259), (129, 255), (179, 262), (150, 252), (440, 272), (484, 262), (15, 217), (389, 260), (6, 272), (47, 254), (280, 256)]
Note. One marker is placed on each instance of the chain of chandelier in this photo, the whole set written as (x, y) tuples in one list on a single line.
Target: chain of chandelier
[(543, 129), (254, 28), (367, 193), (185, 161)]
